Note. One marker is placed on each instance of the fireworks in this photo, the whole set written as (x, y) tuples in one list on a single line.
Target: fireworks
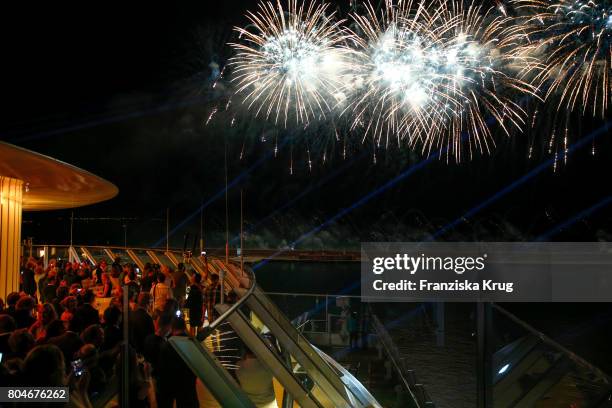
[(396, 89), (432, 75), (485, 79), (290, 63), (574, 40)]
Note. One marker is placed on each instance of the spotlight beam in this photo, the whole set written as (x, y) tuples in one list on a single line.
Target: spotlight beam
[(108, 120), (471, 212), (571, 221), (363, 200), (219, 194)]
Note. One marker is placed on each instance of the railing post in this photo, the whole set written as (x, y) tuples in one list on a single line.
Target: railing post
[(46, 257), (222, 279), (327, 322), (484, 329), (440, 329), (125, 384)]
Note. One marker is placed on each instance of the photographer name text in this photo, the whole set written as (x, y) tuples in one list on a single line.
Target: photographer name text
[(486, 285)]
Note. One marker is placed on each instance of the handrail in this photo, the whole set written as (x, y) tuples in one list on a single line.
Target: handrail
[(545, 339), (120, 247), (317, 295), (349, 256), (236, 305), (232, 312), (299, 327), (219, 320), (382, 334)]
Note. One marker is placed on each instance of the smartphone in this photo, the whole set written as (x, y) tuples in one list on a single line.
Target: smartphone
[(0, 357), (77, 367), (178, 313)]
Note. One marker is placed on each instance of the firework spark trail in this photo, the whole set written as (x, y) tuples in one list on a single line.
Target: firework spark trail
[(330, 176), (360, 202), (395, 78), (289, 62), (486, 81), (427, 73), (415, 71), (424, 73), (574, 38)]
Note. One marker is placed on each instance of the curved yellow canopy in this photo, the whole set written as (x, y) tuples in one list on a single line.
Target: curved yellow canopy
[(51, 184)]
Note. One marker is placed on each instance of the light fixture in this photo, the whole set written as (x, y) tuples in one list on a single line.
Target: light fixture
[(503, 369)]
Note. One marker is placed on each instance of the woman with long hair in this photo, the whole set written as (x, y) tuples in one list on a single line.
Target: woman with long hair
[(107, 287)]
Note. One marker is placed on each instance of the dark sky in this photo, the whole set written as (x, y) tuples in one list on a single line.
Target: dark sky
[(123, 90)]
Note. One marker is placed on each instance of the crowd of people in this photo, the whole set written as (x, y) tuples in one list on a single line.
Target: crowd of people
[(66, 328)]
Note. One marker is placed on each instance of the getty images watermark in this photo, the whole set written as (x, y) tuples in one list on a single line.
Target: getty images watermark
[(505, 272), (413, 264)]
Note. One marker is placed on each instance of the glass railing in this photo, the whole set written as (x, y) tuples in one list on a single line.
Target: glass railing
[(530, 369), (320, 317), (322, 320), (325, 378), (517, 365), (303, 370), (296, 382), (301, 375)]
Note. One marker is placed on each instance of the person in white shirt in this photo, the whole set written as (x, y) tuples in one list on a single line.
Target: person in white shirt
[(160, 292)]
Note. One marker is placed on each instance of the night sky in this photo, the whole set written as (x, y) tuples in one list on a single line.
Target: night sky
[(124, 91)]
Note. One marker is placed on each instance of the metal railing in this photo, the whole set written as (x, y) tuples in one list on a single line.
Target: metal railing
[(252, 254), (328, 381), (419, 397), (314, 316), (219, 320), (555, 345), (154, 254)]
